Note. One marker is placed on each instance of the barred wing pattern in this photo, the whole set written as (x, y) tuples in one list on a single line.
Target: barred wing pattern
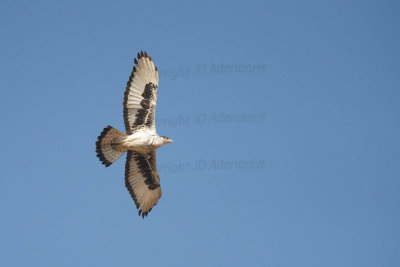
[(142, 180), (141, 95)]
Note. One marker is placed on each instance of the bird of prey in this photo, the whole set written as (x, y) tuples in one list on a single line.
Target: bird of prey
[(141, 139)]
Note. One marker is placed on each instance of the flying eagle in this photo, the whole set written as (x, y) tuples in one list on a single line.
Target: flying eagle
[(141, 139)]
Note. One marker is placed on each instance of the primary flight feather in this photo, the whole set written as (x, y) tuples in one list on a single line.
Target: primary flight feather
[(141, 139)]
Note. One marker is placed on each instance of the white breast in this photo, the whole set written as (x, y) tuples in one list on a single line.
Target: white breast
[(140, 139)]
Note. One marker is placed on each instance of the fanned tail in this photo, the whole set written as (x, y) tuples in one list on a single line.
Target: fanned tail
[(106, 151)]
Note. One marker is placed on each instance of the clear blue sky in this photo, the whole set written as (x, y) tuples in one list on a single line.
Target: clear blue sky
[(285, 118)]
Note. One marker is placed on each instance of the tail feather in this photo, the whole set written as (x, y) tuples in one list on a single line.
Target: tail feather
[(106, 151)]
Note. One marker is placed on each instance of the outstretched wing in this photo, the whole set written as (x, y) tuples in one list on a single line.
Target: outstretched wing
[(142, 180), (141, 94)]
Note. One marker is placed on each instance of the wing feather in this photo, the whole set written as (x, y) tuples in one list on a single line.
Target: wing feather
[(142, 180), (140, 96)]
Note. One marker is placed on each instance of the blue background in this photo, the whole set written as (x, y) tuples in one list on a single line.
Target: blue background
[(323, 77)]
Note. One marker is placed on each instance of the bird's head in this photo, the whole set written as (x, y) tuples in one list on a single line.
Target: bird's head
[(166, 140)]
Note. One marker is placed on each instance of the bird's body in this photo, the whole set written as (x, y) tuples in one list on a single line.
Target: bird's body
[(141, 139)]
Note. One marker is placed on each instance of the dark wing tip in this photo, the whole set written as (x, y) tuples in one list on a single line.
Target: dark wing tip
[(142, 213), (135, 61)]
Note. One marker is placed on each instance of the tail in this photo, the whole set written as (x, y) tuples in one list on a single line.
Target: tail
[(106, 151)]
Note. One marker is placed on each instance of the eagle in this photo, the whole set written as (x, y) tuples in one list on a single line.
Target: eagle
[(141, 139)]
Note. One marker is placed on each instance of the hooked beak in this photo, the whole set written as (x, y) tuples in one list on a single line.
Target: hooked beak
[(169, 140)]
